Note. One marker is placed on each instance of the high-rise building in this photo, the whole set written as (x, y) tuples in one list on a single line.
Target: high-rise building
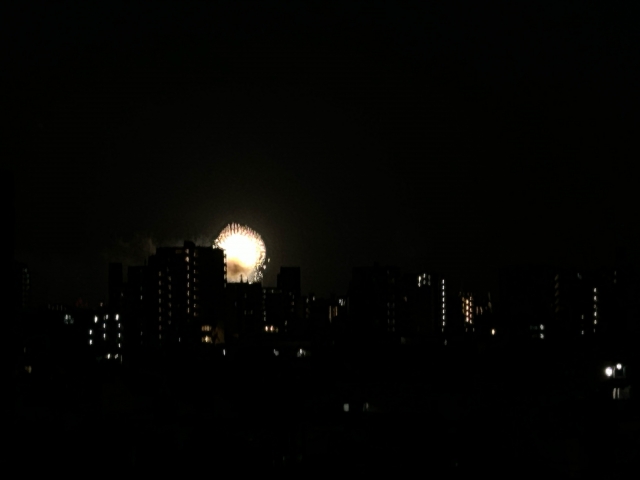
[(292, 311), (374, 295), (244, 316), (106, 333), (431, 301), (186, 294)]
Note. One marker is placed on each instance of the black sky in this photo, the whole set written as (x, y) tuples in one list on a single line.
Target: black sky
[(455, 137)]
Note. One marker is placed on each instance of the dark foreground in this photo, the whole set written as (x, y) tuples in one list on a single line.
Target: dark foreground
[(448, 412)]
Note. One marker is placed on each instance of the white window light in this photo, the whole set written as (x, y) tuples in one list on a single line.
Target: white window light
[(95, 319), (619, 366), (117, 316), (608, 371)]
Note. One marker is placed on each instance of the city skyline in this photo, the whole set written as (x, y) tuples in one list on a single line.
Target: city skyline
[(419, 136)]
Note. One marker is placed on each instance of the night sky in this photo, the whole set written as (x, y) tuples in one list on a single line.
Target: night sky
[(458, 137)]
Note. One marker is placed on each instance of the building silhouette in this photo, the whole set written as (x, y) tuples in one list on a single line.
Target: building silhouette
[(186, 287)]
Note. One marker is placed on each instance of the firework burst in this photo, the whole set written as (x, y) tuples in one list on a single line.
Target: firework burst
[(246, 253)]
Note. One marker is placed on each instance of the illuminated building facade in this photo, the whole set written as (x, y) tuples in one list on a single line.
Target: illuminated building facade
[(429, 304), (412, 307), (585, 303), (186, 287), (105, 334)]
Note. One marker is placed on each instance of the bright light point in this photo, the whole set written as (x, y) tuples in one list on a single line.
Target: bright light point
[(245, 253), (609, 371), (493, 331), (619, 366)]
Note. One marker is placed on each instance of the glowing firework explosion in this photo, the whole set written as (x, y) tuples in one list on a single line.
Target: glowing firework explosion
[(245, 253)]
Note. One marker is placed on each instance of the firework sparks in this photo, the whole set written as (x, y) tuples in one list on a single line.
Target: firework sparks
[(245, 251)]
